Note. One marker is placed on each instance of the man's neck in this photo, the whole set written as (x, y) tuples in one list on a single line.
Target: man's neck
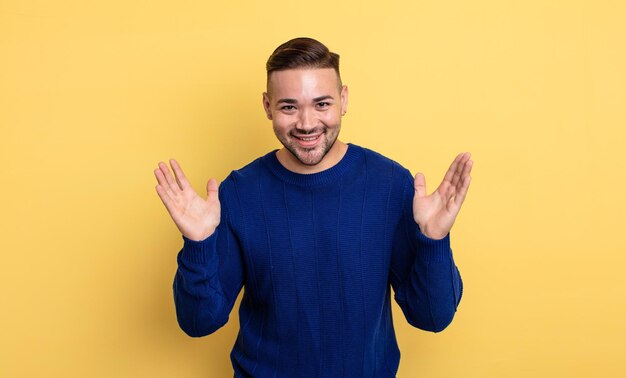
[(334, 156)]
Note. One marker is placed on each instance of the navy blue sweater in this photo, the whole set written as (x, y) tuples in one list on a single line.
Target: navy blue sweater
[(318, 255)]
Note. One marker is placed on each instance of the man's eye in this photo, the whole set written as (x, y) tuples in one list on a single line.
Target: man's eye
[(288, 107), (323, 104)]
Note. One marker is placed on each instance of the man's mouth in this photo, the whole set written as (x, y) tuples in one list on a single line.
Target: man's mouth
[(308, 140)]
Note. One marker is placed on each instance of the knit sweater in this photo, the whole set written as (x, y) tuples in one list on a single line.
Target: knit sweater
[(317, 255)]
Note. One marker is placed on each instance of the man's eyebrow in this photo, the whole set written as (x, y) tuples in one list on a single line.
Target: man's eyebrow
[(322, 98), (287, 101), (294, 101)]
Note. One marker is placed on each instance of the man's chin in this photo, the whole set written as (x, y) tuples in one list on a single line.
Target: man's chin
[(308, 156), (309, 159)]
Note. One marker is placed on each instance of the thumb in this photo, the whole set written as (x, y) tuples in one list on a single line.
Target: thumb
[(420, 184), (211, 190)]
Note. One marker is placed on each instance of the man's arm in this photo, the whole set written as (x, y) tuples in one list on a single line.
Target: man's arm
[(430, 290), (210, 270), (208, 280)]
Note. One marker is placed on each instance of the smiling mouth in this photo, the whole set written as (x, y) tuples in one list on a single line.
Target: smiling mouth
[(308, 141), (308, 138)]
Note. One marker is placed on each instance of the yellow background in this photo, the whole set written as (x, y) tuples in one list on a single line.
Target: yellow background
[(94, 93)]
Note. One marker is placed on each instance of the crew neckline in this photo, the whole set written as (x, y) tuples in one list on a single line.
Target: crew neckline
[(352, 156)]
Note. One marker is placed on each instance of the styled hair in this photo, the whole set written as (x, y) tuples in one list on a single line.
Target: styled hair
[(302, 53)]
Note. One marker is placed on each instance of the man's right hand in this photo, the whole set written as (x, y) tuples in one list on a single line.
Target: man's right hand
[(195, 217)]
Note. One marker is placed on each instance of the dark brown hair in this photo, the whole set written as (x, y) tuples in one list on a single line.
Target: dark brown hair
[(302, 53)]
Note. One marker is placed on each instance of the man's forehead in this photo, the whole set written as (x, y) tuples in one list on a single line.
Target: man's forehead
[(303, 80)]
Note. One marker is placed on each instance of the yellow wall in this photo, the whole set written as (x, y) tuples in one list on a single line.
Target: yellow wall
[(94, 94)]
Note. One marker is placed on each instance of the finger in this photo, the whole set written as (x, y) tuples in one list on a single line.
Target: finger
[(452, 169), (163, 184), (159, 176), (467, 169), (181, 179), (165, 198), (168, 177), (212, 190), (420, 184), (449, 177), (460, 197), (459, 169)]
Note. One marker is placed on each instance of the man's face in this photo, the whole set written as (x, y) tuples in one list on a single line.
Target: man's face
[(305, 106)]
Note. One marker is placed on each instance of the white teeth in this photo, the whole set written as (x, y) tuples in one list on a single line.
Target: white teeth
[(308, 139)]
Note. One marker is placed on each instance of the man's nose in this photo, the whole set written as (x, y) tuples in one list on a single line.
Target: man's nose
[(307, 119)]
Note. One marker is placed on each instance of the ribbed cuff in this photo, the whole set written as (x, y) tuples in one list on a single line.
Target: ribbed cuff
[(434, 250), (199, 251)]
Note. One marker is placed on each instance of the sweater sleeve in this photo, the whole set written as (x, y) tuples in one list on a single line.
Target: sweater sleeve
[(425, 279), (208, 279)]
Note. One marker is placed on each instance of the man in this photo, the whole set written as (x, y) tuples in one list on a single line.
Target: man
[(317, 232)]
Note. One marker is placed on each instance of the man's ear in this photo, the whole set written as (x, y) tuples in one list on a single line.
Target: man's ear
[(267, 106), (344, 99)]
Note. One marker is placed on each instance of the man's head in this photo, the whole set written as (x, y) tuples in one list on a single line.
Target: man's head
[(305, 101), (300, 53)]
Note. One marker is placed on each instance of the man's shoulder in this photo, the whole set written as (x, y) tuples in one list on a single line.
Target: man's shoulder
[(376, 156), (379, 164), (253, 168), (375, 164), (249, 172)]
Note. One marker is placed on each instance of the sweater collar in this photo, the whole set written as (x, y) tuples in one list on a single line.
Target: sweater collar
[(350, 159)]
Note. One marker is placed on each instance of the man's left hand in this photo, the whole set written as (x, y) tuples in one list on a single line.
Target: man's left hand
[(435, 213)]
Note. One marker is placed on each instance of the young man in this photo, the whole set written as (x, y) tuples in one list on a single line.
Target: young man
[(318, 233)]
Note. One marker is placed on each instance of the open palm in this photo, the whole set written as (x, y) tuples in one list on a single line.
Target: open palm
[(435, 213), (195, 217)]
